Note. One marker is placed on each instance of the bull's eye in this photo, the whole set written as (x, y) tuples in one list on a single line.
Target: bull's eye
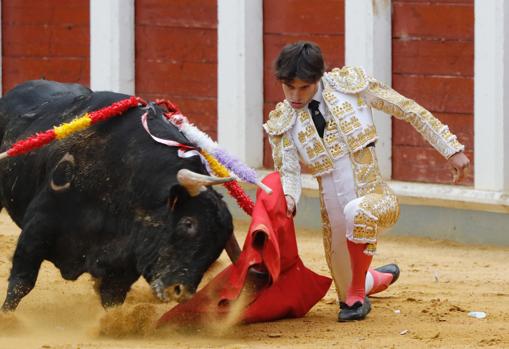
[(189, 225)]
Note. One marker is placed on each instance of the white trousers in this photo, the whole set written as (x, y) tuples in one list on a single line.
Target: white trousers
[(341, 202), (338, 189)]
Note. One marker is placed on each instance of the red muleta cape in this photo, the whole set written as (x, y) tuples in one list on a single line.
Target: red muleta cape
[(270, 246)]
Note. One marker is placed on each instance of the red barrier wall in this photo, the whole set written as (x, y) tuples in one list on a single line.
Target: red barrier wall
[(433, 63), (45, 39), (176, 56)]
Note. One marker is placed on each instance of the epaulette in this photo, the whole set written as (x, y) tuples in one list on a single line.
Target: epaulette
[(348, 79), (281, 119)]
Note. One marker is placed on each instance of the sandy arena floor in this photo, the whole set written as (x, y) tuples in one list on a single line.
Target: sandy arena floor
[(428, 307)]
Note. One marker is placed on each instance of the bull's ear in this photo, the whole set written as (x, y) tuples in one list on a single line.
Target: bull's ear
[(178, 195)]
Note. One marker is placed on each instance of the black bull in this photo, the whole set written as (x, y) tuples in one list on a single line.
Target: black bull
[(107, 200)]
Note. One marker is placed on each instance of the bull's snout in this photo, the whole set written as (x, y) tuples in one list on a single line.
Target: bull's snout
[(175, 292), (179, 293)]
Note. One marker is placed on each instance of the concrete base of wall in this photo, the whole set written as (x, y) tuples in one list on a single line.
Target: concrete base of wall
[(449, 223)]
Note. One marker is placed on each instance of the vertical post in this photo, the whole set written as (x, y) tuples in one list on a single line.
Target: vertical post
[(112, 45), (368, 35), (491, 95), (240, 78)]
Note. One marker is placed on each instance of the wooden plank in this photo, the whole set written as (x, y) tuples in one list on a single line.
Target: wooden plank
[(332, 46), (300, 16), (267, 153), (437, 20), (36, 12), (462, 125), (17, 70), (176, 44), (272, 89), (176, 56), (433, 57), (424, 165), (180, 79), (437, 93), (177, 13), (46, 41)]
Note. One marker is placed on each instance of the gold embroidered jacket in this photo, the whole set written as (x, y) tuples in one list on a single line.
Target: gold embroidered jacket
[(349, 95)]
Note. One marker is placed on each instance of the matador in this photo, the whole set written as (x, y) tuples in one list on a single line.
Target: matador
[(325, 122)]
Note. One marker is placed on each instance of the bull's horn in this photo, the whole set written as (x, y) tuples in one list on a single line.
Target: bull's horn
[(195, 183)]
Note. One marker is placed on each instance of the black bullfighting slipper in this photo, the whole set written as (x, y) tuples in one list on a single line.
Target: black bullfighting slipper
[(390, 269), (356, 311)]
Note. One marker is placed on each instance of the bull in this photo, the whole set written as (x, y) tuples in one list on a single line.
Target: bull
[(108, 201)]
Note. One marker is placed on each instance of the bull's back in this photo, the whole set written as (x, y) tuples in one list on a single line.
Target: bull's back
[(31, 100), (32, 107)]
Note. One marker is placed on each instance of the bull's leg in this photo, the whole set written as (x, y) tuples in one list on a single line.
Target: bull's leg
[(28, 256), (113, 291)]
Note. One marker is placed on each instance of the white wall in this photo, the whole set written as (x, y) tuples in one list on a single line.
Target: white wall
[(240, 79), (491, 95), (112, 45), (368, 44)]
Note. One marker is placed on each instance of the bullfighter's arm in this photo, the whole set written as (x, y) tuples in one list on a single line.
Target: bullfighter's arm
[(384, 98), (286, 162)]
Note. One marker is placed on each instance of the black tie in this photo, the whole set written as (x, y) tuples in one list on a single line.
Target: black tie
[(318, 118)]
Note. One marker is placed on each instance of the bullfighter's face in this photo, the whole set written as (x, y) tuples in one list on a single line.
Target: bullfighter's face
[(298, 92)]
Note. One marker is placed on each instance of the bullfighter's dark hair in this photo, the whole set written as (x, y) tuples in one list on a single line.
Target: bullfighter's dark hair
[(301, 60)]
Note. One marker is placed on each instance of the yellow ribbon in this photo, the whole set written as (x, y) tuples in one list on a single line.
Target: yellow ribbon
[(64, 130)]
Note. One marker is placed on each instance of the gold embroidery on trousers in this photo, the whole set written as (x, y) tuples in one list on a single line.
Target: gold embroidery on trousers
[(379, 207), (327, 237), (365, 227), (376, 211)]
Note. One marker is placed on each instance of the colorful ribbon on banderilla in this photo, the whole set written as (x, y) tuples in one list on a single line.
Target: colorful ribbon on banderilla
[(64, 130), (219, 161)]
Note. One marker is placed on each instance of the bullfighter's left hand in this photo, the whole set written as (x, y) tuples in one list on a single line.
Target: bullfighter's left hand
[(460, 164)]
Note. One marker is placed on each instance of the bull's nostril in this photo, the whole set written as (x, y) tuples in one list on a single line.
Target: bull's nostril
[(177, 290)]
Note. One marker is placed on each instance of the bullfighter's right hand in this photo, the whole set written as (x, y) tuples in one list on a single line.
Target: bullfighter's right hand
[(290, 206)]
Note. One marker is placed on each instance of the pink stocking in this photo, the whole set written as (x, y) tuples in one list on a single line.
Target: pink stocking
[(360, 263), (380, 281)]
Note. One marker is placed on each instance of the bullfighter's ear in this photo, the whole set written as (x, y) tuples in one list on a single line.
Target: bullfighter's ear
[(178, 195)]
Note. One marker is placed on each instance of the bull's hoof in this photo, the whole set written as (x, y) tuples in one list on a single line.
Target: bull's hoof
[(8, 307)]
